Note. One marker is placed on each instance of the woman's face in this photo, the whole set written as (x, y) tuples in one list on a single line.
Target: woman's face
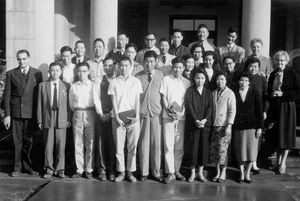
[(131, 53), (190, 63), (199, 79), (253, 68), (281, 62), (244, 82), (221, 81), (197, 53), (209, 61)]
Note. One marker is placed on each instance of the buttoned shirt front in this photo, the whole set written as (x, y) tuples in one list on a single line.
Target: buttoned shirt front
[(141, 53), (68, 73), (174, 90), (125, 91), (81, 95), (52, 90), (96, 68)]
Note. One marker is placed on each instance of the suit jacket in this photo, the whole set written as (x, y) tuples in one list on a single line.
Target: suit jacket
[(44, 105), (249, 114), (150, 98), (237, 52), (224, 107), (20, 94)]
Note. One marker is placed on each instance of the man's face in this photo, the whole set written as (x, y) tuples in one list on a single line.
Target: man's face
[(203, 34), (55, 72), (122, 41), (80, 49), (197, 53), (164, 47), (131, 53), (177, 38), (150, 41), (256, 48), (109, 67), (23, 60), (231, 37), (83, 73), (124, 66), (149, 64), (209, 61), (98, 49), (66, 57), (178, 69), (229, 65)]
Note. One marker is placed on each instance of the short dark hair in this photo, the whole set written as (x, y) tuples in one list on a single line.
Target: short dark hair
[(83, 64), (177, 31), (221, 73), (251, 60), (131, 45), (122, 33), (124, 58), (197, 71), (79, 41), (23, 52), (164, 40), (66, 49), (150, 33), (150, 53), (209, 53), (187, 56), (99, 40), (195, 46), (55, 64), (178, 60), (228, 57), (232, 30), (109, 58), (244, 74), (202, 26)]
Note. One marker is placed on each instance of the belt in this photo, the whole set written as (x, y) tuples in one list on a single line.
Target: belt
[(85, 109)]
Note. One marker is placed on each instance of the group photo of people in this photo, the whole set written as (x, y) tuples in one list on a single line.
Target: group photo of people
[(143, 114)]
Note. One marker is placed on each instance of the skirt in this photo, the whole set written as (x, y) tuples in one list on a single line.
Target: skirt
[(245, 144)]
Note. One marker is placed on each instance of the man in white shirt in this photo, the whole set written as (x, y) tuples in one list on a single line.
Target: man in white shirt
[(231, 49), (203, 34), (173, 89), (68, 68), (96, 64), (83, 122), (164, 60), (125, 91), (150, 41)]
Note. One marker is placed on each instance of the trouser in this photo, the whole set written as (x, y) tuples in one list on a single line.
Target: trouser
[(84, 132), (149, 145), (130, 135), (173, 144), (105, 148), (23, 140), (54, 140)]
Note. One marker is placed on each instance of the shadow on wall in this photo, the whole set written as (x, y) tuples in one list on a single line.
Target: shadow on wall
[(44, 68)]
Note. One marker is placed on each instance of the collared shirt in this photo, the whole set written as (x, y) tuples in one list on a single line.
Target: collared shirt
[(233, 50), (81, 95), (166, 67), (125, 91), (141, 53), (52, 90), (243, 94), (174, 90), (206, 45), (24, 70), (68, 73), (179, 51), (96, 68)]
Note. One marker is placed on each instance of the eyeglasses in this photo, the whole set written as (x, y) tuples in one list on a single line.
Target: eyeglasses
[(150, 39)]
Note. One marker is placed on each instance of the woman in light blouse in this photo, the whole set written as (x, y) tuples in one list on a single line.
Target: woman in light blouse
[(225, 108)]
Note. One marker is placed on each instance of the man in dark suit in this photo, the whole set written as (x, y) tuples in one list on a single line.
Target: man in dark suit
[(79, 53), (53, 117), (20, 98)]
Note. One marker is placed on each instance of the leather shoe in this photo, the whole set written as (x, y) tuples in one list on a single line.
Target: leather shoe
[(179, 176), (15, 174), (33, 173), (170, 178), (111, 176), (158, 178), (248, 181), (130, 177), (102, 177), (88, 175), (120, 177), (47, 176), (143, 178), (61, 175), (76, 176), (255, 171)]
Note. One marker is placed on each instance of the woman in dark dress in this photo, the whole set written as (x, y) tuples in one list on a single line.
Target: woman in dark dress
[(259, 83), (248, 125), (283, 87), (198, 101)]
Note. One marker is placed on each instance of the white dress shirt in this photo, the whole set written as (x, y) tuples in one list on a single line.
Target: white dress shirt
[(81, 95), (68, 73)]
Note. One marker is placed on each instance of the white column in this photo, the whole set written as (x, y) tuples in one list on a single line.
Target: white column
[(44, 19), (61, 26), (104, 21), (256, 23)]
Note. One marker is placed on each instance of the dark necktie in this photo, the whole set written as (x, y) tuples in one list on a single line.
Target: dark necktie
[(149, 77), (164, 59), (54, 104), (24, 73)]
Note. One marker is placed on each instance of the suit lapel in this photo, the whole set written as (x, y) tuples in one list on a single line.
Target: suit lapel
[(62, 91), (19, 79), (48, 90)]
